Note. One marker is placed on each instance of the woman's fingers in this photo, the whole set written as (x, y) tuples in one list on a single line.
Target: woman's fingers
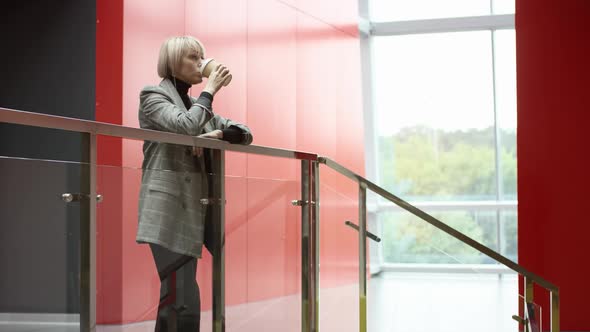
[(221, 67), (219, 77), (222, 70)]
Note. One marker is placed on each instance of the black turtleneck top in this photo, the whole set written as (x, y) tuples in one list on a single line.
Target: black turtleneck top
[(232, 134)]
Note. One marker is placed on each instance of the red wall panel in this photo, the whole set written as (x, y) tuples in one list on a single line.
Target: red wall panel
[(296, 77), (271, 85), (109, 82), (146, 25), (221, 26), (329, 116), (553, 75), (316, 80), (350, 150)]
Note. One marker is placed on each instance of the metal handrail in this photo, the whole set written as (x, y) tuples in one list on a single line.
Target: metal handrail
[(438, 224), (98, 128)]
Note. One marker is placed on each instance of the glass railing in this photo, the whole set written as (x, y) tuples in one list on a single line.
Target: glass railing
[(339, 252), (262, 246), (291, 246), (455, 281), (438, 283), (40, 244)]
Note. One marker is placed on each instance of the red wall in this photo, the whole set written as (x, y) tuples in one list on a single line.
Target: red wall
[(553, 75), (296, 83), (109, 85)]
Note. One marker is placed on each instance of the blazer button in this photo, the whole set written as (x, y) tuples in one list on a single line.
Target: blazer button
[(187, 179), (183, 205)]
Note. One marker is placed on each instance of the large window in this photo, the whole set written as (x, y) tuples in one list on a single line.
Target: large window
[(444, 109)]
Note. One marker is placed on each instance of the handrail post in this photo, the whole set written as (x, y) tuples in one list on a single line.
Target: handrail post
[(309, 246), (305, 239), (88, 236), (315, 249), (362, 257), (217, 191), (554, 311)]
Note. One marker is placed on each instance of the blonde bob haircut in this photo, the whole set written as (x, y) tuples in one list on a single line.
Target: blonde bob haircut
[(172, 52)]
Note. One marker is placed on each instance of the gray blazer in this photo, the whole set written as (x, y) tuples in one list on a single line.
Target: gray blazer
[(173, 180)]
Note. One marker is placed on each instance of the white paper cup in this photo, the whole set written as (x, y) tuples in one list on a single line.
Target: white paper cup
[(207, 67)]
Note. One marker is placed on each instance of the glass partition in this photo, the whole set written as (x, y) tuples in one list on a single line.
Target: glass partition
[(431, 281), (262, 252), (339, 253), (40, 243), (263, 244), (128, 286), (413, 269), (128, 282)]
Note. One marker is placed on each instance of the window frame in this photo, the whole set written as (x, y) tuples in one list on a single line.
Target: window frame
[(368, 31)]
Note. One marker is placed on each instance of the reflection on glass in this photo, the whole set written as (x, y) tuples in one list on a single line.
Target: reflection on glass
[(434, 104)]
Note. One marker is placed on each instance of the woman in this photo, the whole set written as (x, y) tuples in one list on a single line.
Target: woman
[(174, 179)]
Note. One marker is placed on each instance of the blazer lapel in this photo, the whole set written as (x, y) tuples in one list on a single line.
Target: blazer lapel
[(169, 87)]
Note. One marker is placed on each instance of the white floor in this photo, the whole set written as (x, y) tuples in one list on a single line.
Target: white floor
[(414, 302), (397, 302)]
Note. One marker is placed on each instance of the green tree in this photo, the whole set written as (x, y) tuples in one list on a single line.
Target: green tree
[(420, 163)]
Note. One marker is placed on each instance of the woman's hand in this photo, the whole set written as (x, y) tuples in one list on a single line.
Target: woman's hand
[(216, 79), (215, 134)]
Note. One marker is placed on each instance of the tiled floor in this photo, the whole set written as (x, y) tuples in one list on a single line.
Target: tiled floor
[(397, 302)]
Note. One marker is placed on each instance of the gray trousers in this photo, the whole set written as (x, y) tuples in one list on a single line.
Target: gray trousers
[(180, 304)]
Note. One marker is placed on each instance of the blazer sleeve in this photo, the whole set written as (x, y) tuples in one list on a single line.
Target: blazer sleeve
[(221, 123), (157, 108)]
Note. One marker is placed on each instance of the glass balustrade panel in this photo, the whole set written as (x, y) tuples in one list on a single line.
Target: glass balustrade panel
[(263, 244), (43, 210), (429, 281), (339, 252), (262, 248)]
